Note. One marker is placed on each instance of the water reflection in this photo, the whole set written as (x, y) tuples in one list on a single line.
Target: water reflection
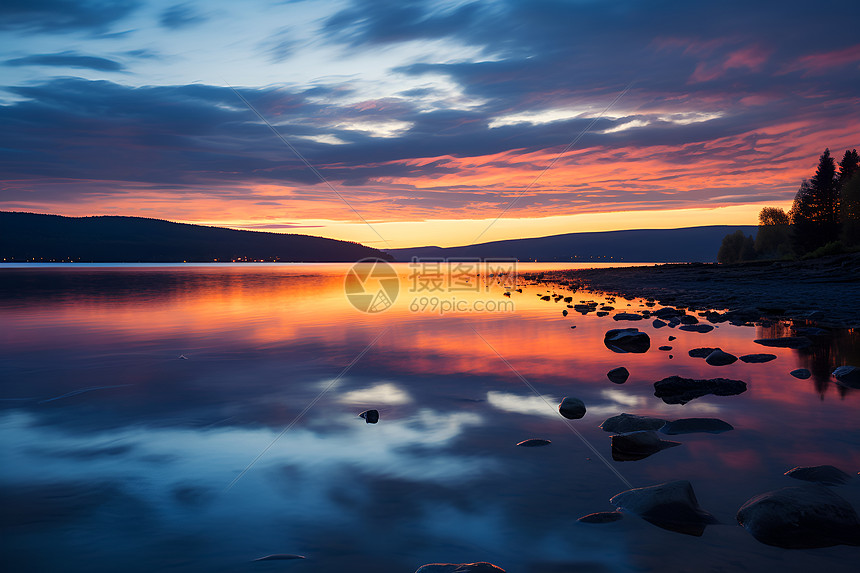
[(117, 453)]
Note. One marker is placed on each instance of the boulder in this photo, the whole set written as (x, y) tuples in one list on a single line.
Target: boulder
[(601, 517), (689, 319), (804, 517), (703, 328), (678, 390), (703, 352), (658, 323), (572, 408), (370, 416), (618, 375), (672, 505), (633, 446), (827, 475), (785, 342), (624, 340), (696, 425), (757, 358), (627, 316), (625, 423), (534, 443), (847, 376), (801, 373), (720, 358), (482, 567)]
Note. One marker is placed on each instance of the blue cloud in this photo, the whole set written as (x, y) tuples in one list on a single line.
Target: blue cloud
[(68, 60)]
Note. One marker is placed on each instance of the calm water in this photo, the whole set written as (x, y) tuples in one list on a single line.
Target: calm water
[(118, 455)]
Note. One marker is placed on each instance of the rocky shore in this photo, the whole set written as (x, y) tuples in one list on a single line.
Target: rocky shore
[(825, 291)]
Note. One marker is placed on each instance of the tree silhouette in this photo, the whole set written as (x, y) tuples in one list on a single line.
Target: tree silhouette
[(736, 247), (814, 214), (773, 239), (849, 197)]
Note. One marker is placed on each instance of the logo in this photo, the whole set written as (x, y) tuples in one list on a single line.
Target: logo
[(371, 285)]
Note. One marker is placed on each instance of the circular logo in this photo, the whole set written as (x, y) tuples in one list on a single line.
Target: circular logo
[(371, 285)]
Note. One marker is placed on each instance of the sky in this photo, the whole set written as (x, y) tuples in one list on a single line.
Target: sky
[(406, 123)]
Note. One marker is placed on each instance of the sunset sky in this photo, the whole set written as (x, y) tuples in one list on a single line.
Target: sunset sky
[(429, 119)]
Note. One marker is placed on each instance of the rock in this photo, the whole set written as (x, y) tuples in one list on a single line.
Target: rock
[(564, 312), (572, 408), (370, 416), (847, 376), (671, 338), (804, 517), (703, 328), (633, 446), (601, 517), (547, 297), (568, 299), (625, 423), (618, 375), (623, 340), (678, 390), (280, 557), (696, 425), (482, 567), (665, 348), (688, 319), (827, 475), (801, 373), (703, 352), (720, 358), (666, 313), (534, 443), (658, 323), (757, 358), (627, 316), (785, 342), (602, 313), (672, 505)]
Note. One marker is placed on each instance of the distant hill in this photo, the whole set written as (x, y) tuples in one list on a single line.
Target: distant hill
[(690, 244), (31, 236)]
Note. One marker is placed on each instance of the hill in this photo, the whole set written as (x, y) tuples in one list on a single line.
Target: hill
[(31, 236), (690, 244)]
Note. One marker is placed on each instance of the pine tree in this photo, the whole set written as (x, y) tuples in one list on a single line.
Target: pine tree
[(815, 212), (849, 197)]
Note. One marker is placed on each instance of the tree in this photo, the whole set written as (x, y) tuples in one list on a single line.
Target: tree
[(815, 212), (848, 167), (773, 240), (736, 247), (849, 197)]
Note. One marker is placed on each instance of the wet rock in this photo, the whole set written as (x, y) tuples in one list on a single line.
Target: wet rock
[(696, 425), (370, 416), (785, 342), (534, 443), (633, 446), (827, 475), (547, 297), (658, 323), (703, 328), (607, 308), (625, 423), (618, 375), (678, 390), (671, 338), (627, 316), (624, 340), (665, 348), (572, 408), (671, 505), (481, 567), (666, 313), (801, 373), (601, 517), (720, 358), (703, 352), (847, 376), (568, 299), (802, 517), (688, 319), (564, 313), (602, 313), (757, 358)]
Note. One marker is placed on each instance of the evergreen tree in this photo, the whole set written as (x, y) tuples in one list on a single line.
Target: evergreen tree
[(849, 197), (848, 167), (815, 212)]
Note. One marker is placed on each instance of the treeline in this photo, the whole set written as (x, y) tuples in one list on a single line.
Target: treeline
[(824, 218)]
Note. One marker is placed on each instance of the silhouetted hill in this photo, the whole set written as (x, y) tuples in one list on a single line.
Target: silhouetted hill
[(31, 236), (690, 244)]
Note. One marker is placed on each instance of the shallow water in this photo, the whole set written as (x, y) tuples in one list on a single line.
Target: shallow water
[(120, 455)]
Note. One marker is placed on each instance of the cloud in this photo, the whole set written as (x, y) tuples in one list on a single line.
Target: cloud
[(64, 15), (68, 60), (180, 16)]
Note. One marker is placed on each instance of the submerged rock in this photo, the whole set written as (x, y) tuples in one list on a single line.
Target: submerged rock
[(658, 323), (720, 358), (757, 358), (618, 375), (827, 475), (801, 373), (481, 567), (623, 340), (703, 352), (671, 505), (847, 376), (665, 348), (625, 423), (633, 446), (370, 416), (572, 408), (703, 328), (696, 425), (601, 517), (678, 390), (785, 342), (802, 517), (534, 443), (627, 316)]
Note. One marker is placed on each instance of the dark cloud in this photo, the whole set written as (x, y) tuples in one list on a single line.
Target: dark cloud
[(68, 60), (64, 15), (180, 16)]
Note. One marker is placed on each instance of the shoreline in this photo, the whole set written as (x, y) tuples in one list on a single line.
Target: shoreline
[(824, 291)]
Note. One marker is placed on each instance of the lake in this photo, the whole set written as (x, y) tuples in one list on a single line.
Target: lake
[(198, 417)]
